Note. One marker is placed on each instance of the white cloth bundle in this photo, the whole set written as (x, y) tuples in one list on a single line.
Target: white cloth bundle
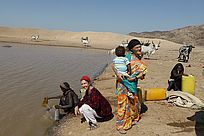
[(184, 99)]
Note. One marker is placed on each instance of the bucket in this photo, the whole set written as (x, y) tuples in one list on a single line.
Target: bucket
[(152, 94), (188, 84)]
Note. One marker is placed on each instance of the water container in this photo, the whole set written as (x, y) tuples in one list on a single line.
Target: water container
[(56, 114), (188, 84), (152, 94)]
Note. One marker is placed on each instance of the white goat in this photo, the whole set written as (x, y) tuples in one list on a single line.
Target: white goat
[(85, 41), (150, 49), (35, 37), (124, 44)]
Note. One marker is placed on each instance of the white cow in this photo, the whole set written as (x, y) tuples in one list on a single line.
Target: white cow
[(150, 49), (35, 37)]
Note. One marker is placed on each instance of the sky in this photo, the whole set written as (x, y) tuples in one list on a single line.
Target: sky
[(118, 16)]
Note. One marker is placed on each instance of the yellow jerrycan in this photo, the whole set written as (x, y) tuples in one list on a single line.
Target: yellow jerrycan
[(188, 84), (152, 94)]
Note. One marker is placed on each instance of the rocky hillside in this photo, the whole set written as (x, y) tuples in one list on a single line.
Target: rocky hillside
[(190, 35)]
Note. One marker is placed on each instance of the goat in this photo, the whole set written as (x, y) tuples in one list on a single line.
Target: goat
[(150, 49), (146, 44), (123, 43), (184, 52), (35, 37), (85, 41)]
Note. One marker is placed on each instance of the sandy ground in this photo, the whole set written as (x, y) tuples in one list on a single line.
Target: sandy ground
[(161, 118)]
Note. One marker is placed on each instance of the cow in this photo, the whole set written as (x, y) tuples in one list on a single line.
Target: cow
[(149, 49), (85, 41), (184, 52)]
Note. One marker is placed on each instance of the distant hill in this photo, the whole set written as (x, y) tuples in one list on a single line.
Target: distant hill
[(190, 35)]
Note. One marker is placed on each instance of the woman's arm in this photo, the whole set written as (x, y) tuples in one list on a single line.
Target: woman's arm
[(129, 69), (177, 74), (95, 99), (119, 76), (55, 97)]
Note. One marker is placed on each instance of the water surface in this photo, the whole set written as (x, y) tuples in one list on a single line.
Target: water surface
[(28, 73)]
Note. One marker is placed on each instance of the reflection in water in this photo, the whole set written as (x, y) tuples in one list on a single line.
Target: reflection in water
[(28, 73)]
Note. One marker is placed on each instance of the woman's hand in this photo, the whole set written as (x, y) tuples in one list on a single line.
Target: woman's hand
[(76, 110), (58, 107), (119, 76)]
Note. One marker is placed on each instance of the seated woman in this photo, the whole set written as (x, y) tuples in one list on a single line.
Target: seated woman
[(175, 80), (68, 100), (93, 105)]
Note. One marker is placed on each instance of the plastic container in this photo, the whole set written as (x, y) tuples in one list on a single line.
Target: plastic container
[(188, 84), (152, 94), (56, 114)]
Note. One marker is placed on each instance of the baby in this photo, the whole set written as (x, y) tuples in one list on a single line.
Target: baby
[(122, 66)]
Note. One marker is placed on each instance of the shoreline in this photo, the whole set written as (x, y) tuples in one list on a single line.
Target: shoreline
[(57, 45), (161, 118), (55, 128)]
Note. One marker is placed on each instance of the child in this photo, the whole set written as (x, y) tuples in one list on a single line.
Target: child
[(122, 66)]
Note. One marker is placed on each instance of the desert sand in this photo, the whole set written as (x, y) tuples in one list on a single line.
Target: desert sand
[(161, 118)]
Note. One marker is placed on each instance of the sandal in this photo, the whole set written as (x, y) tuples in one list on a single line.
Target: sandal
[(122, 131), (93, 126)]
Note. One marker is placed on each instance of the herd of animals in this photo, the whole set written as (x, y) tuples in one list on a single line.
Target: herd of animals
[(148, 48)]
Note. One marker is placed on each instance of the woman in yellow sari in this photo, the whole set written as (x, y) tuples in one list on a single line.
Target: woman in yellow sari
[(128, 113)]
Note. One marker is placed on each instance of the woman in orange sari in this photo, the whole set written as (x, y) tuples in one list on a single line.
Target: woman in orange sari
[(128, 113)]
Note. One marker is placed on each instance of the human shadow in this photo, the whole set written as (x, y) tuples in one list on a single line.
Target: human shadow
[(198, 117), (105, 118), (150, 58), (144, 108)]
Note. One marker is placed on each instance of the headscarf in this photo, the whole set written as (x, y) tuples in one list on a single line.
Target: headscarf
[(133, 43), (175, 73), (65, 85), (86, 78)]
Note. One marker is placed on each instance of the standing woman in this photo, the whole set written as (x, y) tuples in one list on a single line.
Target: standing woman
[(128, 109), (93, 105)]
